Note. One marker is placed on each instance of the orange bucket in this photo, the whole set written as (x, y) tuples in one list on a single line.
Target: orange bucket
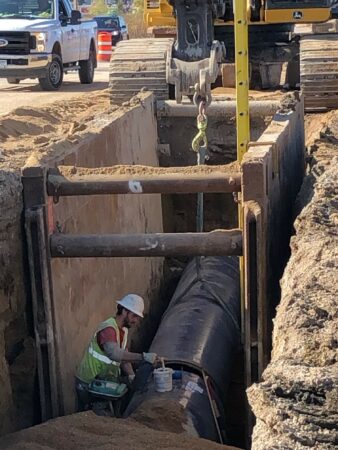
[(104, 46)]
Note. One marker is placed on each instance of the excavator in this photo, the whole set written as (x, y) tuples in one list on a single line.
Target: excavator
[(188, 63)]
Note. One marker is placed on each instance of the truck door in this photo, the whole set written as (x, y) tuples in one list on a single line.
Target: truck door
[(70, 33), (86, 32)]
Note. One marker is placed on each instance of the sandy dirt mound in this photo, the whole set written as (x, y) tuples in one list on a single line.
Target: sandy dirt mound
[(296, 405), (27, 131), (87, 431), (146, 170), (161, 415)]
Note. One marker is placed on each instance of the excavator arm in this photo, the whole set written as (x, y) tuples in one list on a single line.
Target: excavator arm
[(196, 56), (195, 27), (191, 63)]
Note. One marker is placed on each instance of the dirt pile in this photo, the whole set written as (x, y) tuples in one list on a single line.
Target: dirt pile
[(296, 405), (27, 131), (138, 170), (86, 431), (161, 415)]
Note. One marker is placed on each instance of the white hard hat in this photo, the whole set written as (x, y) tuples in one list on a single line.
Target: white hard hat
[(134, 303)]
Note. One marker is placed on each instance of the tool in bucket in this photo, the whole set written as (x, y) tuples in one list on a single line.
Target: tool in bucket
[(163, 378)]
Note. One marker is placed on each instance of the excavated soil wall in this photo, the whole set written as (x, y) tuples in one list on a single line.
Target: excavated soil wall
[(296, 403), (84, 291)]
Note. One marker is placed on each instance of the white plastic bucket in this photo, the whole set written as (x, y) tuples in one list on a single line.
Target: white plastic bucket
[(163, 379)]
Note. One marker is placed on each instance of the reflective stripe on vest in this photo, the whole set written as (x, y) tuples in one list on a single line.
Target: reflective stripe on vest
[(100, 357)]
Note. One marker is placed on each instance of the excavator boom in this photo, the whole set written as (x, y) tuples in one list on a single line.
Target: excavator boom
[(190, 65), (202, 39)]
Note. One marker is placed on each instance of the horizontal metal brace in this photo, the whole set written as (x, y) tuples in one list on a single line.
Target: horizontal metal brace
[(179, 183), (214, 243), (224, 108)]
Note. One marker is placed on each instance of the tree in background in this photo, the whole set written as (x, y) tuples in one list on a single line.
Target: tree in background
[(138, 5), (133, 16), (98, 8), (117, 8), (126, 6), (103, 7), (136, 25)]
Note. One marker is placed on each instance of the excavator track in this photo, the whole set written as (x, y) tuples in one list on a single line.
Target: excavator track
[(319, 71), (139, 64)]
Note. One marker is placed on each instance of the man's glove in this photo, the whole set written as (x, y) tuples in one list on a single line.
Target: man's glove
[(131, 378), (150, 357)]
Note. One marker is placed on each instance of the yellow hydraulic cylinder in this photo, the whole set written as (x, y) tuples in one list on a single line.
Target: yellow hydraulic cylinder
[(241, 30)]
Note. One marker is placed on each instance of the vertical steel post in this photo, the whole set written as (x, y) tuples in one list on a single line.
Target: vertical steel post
[(35, 203), (241, 30)]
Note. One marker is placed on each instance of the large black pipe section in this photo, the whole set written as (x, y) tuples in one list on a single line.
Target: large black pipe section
[(198, 336)]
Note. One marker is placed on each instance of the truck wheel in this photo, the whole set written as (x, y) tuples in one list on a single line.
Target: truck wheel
[(87, 68), (13, 80), (54, 75)]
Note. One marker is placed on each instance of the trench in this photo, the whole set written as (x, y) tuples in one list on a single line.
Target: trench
[(76, 289), (200, 331), (179, 215)]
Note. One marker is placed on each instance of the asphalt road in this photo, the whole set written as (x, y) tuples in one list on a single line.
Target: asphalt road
[(29, 93)]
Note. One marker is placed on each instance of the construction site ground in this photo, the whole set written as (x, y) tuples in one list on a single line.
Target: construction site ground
[(28, 132), (29, 92), (25, 131)]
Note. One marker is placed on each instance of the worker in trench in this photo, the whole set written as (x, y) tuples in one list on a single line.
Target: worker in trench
[(107, 357)]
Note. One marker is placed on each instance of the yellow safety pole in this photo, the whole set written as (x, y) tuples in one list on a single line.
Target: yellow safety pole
[(241, 30)]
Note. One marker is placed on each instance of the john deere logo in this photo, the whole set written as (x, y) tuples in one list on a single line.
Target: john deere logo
[(3, 42), (298, 15)]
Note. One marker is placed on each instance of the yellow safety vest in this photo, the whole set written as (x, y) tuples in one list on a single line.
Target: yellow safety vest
[(95, 363)]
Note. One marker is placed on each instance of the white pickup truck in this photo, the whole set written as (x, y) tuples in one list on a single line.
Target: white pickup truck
[(44, 39)]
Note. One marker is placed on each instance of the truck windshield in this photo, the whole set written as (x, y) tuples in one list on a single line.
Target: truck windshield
[(107, 23), (26, 9)]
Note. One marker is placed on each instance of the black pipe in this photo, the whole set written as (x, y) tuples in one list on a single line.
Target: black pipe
[(201, 326), (198, 335)]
